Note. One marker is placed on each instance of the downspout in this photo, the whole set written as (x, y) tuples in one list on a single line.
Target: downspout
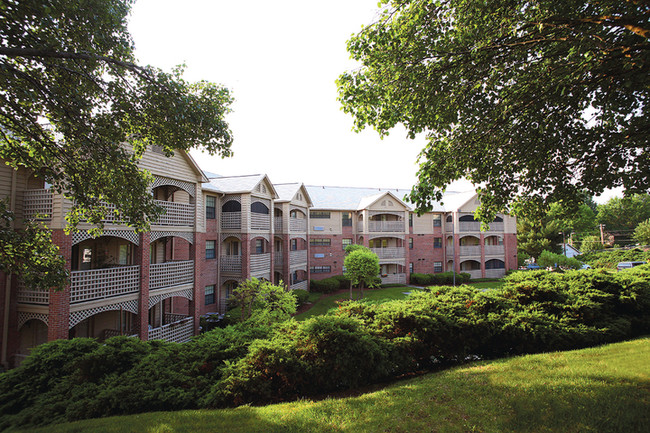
[(5, 324)]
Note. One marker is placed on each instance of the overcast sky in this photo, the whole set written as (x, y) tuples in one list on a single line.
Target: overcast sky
[(280, 59)]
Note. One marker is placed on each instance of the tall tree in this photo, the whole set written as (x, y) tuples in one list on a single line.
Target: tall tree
[(538, 234), (624, 213), (76, 108), (533, 101)]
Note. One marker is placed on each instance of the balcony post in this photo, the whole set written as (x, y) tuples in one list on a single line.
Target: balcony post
[(195, 304), (482, 244), (142, 258), (58, 326)]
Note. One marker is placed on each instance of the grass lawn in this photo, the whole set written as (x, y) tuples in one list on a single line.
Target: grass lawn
[(371, 295), (603, 390)]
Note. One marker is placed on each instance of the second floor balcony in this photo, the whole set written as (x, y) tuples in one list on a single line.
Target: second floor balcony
[(171, 274), (383, 226), (389, 252), (96, 284)]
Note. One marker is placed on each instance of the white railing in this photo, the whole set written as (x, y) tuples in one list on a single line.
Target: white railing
[(278, 258), (469, 226), (495, 273), (449, 227), (277, 224), (385, 226), (170, 274), (31, 296), (174, 317), (178, 332), (260, 221), (297, 224), (37, 202), (260, 262), (389, 252), (470, 250), (394, 279), (231, 264), (475, 273), (177, 214), (303, 285), (297, 257), (231, 220), (492, 250), (496, 227), (103, 283)]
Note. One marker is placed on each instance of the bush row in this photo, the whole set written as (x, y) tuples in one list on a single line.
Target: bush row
[(610, 258), (357, 344), (444, 278)]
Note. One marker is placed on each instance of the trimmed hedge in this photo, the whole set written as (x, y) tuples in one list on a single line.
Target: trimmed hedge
[(327, 285), (357, 344), (443, 278)]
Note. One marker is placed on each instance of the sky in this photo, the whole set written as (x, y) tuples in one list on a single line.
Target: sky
[(280, 59)]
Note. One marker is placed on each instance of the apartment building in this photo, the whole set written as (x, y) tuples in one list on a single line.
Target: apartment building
[(217, 232)]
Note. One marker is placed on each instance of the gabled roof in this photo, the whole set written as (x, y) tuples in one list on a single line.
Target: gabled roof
[(355, 198), (194, 165), (368, 201), (287, 192), (238, 184)]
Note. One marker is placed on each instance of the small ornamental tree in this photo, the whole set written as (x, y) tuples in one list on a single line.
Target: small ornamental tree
[(361, 267), (263, 302), (642, 233), (591, 243)]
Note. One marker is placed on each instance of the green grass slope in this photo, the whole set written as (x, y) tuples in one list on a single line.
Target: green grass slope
[(603, 389)]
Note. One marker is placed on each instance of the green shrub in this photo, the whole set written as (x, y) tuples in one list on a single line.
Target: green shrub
[(610, 258), (344, 282), (327, 285), (301, 296)]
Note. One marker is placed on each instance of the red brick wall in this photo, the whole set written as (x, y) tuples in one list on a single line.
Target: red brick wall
[(423, 254), (59, 308), (142, 258)]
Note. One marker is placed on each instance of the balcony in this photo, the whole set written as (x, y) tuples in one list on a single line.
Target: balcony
[(394, 279), (177, 214), (171, 274), (297, 257), (475, 273), (231, 220), (302, 285), (180, 331), (30, 296), (98, 284), (470, 250), (231, 264), (475, 226), (298, 225), (277, 224), (37, 202), (495, 273), (260, 221), (494, 250), (389, 252), (383, 226), (260, 262), (278, 259)]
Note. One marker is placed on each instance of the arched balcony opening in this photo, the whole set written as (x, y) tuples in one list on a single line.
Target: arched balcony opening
[(260, 216), (298, 280), (170, 319), (297, 221), (171, 263), (178, 204), (231, 255), (470, 246), (385, 222), (227, 289), (231, 214), (260, 257), (277, 220), (105, 325), (495, 268), (471, 267), (31, 334), (494, 245), (388, 247), (392, 273)]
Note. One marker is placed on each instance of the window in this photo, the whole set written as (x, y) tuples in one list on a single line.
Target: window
[(437, 242), (231, 206), (320, 269), (210, 250), (437, 220), (437, 266), (320, 242), (410, 243), (346, 242), (411, 268), (293, 244), (260, 208), (346, 218), (410, 220), (209, 295), (210, 207), (259, 246), (323, 215)]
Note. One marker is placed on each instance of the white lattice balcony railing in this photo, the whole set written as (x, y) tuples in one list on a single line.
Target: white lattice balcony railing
[(302, 285), (174, 317), (277, 225), (103, 283), (297, 257), (260, 221), (231, 264), (176, 214), (297, 224), (37, 202), (170, 274), (31, 296), (494, 250), (385, 226), (278, 259), (260, 262), (474, 273), (231, 220), (394, 279), (469, 226), (496, 227), (449, 227), (178, 332), (389, 252), (470, 250), (495, 273)]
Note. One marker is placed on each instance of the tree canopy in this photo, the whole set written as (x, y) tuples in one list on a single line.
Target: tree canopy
[(76, 108), (532, 101), (361, 267)]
